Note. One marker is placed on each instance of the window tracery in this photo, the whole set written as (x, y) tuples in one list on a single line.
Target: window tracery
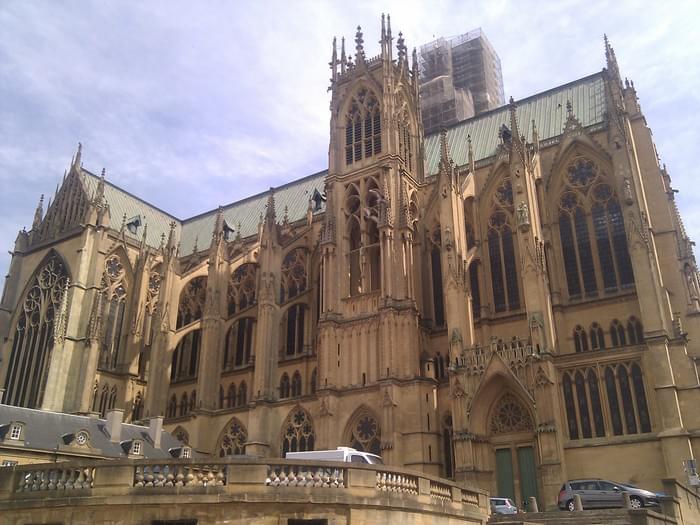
[(284, 386), (155, 279), (112, 306), (137, 408), (242, 394), (294, 324), (239, 343), (589, 211), (185, 361), (622, 384), (298, 432), (474, 287), (233, 440), (296, 384), (509, 415), (192, 299), (597, 337), (617, 334), (405, 142), (365, 433), (241, 288), (635, 332), (34, 335), (501, 248), (362, 211), (294, 275), (363, 127), (580, 339)]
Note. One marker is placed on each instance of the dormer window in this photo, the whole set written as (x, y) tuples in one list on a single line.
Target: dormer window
[(186, 453), (317, 200), (82, 438), (181, 452), (228, 232), (133, 224), (136, 448), (16, 431)]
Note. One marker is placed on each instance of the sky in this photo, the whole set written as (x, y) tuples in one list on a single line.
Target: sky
[(194, 104)]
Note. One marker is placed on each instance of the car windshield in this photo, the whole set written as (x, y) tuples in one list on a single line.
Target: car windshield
[(629, 486), (374, 460)]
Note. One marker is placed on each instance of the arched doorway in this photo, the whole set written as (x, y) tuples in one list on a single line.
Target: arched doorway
[(512, 438)]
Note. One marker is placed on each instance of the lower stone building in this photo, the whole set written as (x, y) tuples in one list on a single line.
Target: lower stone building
[(509, 303)]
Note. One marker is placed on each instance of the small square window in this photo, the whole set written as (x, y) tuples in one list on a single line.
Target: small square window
[(8, 463), (136, 448), (186, 452), (15, 431)]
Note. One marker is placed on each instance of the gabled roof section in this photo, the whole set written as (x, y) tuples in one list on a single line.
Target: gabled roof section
[(293, 195), (45, 430), (124, 203), (547, 109)]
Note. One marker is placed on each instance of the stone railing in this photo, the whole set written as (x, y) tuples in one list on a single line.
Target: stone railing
[(55, 477), (168, 475), (516, 352), (239, 482), (393, 482), (305, 476)]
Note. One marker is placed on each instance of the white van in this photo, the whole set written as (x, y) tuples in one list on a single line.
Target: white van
[(340, 454)]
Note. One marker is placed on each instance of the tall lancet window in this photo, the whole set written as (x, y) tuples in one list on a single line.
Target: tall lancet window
[(363, 128), (113, 303), (405, 144), (436, 273), (34, 335), (362, 209), (592, 233), (501, 247)]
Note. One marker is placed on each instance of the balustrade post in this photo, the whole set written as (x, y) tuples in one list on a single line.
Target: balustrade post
[(108, 477)]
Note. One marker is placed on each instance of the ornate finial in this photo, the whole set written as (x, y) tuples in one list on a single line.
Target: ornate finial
[(286, 214), (39, 213), (144, 236), (100, 190), (470, 153), (401, 48), (334, 61), (162, 241), (78, 157), (171, 235), (388, 29), (414, 62), (359, 46), (383, 29), (445, 161), (238, 232), (535, 136), (611, 60), (270, 213), (343, 58)]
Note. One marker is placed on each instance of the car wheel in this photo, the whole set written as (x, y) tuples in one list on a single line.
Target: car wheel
[(636, 503), (570, 505)]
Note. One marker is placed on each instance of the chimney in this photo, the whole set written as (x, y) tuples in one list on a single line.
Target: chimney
[(155, 427), (114, 424)]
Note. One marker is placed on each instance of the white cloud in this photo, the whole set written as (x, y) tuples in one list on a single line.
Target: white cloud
[(182, 101)]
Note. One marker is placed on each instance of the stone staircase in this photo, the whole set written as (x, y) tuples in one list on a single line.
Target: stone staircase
[(586, 517)]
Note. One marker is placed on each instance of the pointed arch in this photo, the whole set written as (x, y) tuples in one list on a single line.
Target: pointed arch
[(448, 451), (35, 326), (284, 389), (363, 127), (192, 299), (185, 357), (232, 439), (241, 288), (363, 431), (296, 384), (294, 274), (242, 394), (298, 433), (117, 277), (238, 346)]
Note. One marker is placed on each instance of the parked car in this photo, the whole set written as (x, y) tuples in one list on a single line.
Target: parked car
[(601, 493), (503, 506)]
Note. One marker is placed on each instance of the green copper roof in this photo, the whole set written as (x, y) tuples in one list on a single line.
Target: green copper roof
[(547, 109)]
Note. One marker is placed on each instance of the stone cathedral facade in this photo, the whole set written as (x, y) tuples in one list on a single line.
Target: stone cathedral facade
[(512, 302)]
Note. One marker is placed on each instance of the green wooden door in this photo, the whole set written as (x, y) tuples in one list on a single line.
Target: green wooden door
[(504, 474), (528, 473)]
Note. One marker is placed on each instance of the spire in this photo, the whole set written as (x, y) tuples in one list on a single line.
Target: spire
[(343, 58), (100, 191), (535, 136), (388, 30), (516, 137), (38, 214), (383, 30), (610, 59), (334, 62), (470, 154), (77, 159), (359, 46), (270, 213), (414, 63)]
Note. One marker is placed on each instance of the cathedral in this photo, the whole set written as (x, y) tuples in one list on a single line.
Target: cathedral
[(509, 303)]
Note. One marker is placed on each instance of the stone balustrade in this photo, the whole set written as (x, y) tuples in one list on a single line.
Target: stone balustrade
[(514, 352), (56, 477), (236, 483)]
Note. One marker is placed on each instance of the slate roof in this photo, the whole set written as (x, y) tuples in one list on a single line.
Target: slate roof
[(547, 109), (45, 431)]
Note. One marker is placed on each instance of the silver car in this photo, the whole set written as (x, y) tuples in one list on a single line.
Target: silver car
[(503, 506), (601, 493)]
